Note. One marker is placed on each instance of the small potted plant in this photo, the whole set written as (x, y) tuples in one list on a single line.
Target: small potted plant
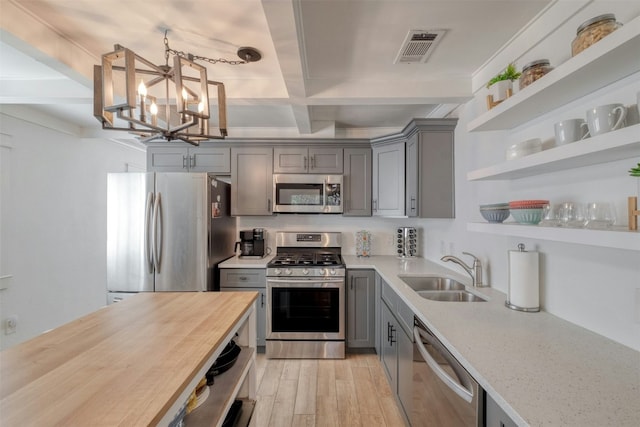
[(501, 86)]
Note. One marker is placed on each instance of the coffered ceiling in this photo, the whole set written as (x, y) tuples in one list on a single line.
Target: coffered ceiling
[(327, 66)]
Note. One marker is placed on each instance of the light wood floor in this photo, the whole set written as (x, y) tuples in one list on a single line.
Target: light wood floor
[(306, 393)]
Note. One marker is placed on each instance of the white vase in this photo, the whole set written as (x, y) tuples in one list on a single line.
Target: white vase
[(498, 90)]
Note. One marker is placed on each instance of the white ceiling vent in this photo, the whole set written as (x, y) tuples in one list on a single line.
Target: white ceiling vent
[(418, 45)]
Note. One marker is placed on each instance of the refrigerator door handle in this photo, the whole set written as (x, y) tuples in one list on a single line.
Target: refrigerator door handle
[(157, 241), (148, 211)]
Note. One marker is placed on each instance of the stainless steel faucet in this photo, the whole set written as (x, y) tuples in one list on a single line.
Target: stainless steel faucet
[(475, 271)]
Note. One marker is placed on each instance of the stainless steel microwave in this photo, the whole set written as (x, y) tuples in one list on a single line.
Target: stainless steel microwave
[(307, 193)]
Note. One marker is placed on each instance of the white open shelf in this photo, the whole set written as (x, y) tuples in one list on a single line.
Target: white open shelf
[(616, 238), (607, 61), (621, 144)]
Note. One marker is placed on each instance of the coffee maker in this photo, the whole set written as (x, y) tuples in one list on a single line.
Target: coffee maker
[(252, 244)]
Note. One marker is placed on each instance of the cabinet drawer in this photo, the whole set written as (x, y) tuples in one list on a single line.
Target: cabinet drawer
[(243, 278), (405, 316), (389, 296)]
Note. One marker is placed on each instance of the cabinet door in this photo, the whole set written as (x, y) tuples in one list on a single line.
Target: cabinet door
[(251, 181), (388, 180), (360, 308), (436, 175), (326, 160), (290, 160), (261, 312), (405, 370), (210, 159), (389, 345), (378, 314), (411, 163), (495, 416), (167, 159), (357, 181)]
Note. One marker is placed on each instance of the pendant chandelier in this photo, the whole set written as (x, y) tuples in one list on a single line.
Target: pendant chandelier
[(161, 102)]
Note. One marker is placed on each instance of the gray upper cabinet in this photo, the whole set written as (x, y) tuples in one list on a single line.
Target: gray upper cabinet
[(251, 181), (307, 160), (360, 309), (430, 173), (413, 171), (388, 189), (169, 158), (357, 181)]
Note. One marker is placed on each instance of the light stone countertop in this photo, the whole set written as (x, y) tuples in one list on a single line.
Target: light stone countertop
[(542, 370), (237, 262)]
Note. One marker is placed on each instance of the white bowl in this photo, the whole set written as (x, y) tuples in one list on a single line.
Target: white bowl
[(523, 148)]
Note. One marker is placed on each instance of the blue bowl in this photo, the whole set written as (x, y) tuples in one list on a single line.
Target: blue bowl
[(495, 215)]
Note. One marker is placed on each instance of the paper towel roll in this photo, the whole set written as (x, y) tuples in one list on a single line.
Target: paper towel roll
[(524, 282)]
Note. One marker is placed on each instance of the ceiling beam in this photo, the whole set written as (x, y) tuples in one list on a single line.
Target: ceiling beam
[(27, 33)]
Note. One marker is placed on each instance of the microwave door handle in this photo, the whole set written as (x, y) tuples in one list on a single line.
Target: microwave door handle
[(326, 196), (418, 335)]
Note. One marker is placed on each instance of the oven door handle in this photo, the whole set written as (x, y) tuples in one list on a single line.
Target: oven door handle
[(310, 280), (419, 335)]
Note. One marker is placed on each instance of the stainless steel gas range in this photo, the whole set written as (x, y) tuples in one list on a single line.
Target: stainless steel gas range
[(306, 297)]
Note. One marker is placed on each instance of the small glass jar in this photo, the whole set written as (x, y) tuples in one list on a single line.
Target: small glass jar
[(592, 30), (533, 71)]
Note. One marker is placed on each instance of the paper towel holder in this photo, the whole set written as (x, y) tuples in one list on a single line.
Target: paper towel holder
[(508, 304)]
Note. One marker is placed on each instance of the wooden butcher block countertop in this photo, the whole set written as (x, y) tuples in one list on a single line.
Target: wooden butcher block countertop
[(125, 364)]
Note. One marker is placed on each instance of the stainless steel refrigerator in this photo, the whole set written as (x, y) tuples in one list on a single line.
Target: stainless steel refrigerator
[(166, 232)]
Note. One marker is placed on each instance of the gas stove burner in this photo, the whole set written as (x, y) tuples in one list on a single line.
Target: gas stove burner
[(309, 259)]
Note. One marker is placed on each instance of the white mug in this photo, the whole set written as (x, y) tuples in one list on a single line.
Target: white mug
[(570, 131), (605, 118)]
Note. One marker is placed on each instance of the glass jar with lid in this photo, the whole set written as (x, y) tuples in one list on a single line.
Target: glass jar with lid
[(533, 71), (592, 30)]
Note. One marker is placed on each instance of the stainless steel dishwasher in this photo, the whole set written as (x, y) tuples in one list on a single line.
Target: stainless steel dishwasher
[(444, 394)]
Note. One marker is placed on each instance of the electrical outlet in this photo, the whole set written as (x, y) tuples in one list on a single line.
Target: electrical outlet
[(442, 248), (10, 325)]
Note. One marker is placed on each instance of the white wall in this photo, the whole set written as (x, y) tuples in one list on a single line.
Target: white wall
[(590, 286), (53, 224)]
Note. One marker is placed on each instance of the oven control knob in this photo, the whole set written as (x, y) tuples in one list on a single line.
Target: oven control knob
[(277, 271), (305, 271), (332, 271), (288, 272)]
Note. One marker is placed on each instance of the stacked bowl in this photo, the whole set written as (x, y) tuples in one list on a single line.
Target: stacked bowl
[(527, 211), (495, 213)]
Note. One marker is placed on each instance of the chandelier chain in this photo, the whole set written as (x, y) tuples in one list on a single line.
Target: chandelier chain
[(190, 57)]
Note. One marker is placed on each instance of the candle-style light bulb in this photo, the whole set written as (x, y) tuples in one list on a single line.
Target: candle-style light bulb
[(142, 92), (153, 109), (202, 120)]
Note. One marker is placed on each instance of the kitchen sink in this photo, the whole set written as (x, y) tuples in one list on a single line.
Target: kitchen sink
[(433, 283), (451, 296)]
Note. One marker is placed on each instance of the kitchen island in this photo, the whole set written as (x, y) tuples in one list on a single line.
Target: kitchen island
[(131, 363)]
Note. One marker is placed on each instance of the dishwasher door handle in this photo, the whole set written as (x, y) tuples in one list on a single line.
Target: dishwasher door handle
[(419, 335)]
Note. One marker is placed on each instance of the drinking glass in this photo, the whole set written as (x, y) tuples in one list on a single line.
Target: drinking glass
[(550, 216), (572, 215), (600, 215)]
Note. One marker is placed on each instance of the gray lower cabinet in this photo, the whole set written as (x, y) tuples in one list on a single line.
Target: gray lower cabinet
[(246, 280), (388, 186), (396, 347), (495, 416), (361, 327), (357, 182), (177, 158), (251, 181)]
